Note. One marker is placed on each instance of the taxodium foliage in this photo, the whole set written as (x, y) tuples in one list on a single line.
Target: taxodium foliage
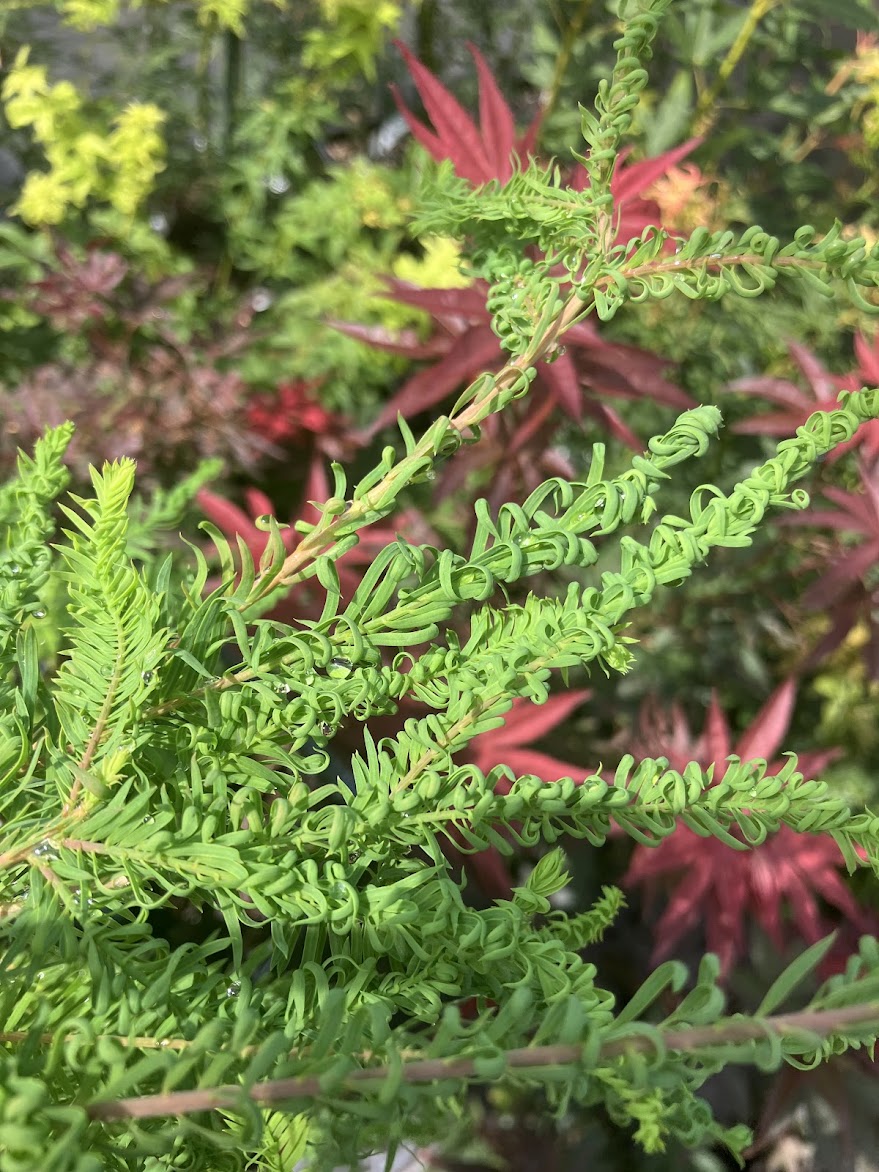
[(171, 751)]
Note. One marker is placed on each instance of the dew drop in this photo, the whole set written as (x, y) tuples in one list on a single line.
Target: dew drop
[(15, 568), (45, 850), (234, 989), (148, 819), (146, 676), (39, 614), (325, 729)]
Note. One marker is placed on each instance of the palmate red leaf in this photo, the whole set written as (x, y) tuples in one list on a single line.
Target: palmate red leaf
[(625, 372), (632, 180), (405, 343), (779, 390), (564, 383), (765, 733), (475, 350), (477, 154), (841, 576), (798, 403), (610, 422), (456, 136), (630, 188), (467, 303), (773, 423), (524, 724), (715, 745), (859, 510), (495, 120), (721, 889)]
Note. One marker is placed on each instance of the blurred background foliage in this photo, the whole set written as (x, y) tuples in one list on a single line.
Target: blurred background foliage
[(193, 196)]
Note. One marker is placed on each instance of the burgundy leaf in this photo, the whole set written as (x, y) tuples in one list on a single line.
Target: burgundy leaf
[(841, 575), (867, 354), (459, 139), (860, 508), (406, 342), (612, 423), (495, 120), (532, 423), (564, 384), (765, 733), (722, 890), (476, 350), (716, 738), (846, 614), (528, 141), (780, 390), (431, 142), (818, 377), (258, 503), (772, 423), (227, 517), (526, 722), (542, 765), (467, 303)]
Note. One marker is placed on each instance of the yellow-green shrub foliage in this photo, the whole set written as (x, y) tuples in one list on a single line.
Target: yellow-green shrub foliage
[(114, 161)]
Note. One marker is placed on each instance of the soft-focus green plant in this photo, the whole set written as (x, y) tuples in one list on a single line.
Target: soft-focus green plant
[(118, 164), (180, 751)]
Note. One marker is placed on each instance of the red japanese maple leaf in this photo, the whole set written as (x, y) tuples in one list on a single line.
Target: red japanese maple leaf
[(821, 393), (721, 889), (293, 417), (796, 403), (463, 344), (848, 589), (525, 723), (477, 153), (866, 372)]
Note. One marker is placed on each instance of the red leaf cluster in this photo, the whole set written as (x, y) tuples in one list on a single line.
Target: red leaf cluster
[(478, 154), (795, 403), (292, 417), (463, 343), (847, 590), (777, 884)]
